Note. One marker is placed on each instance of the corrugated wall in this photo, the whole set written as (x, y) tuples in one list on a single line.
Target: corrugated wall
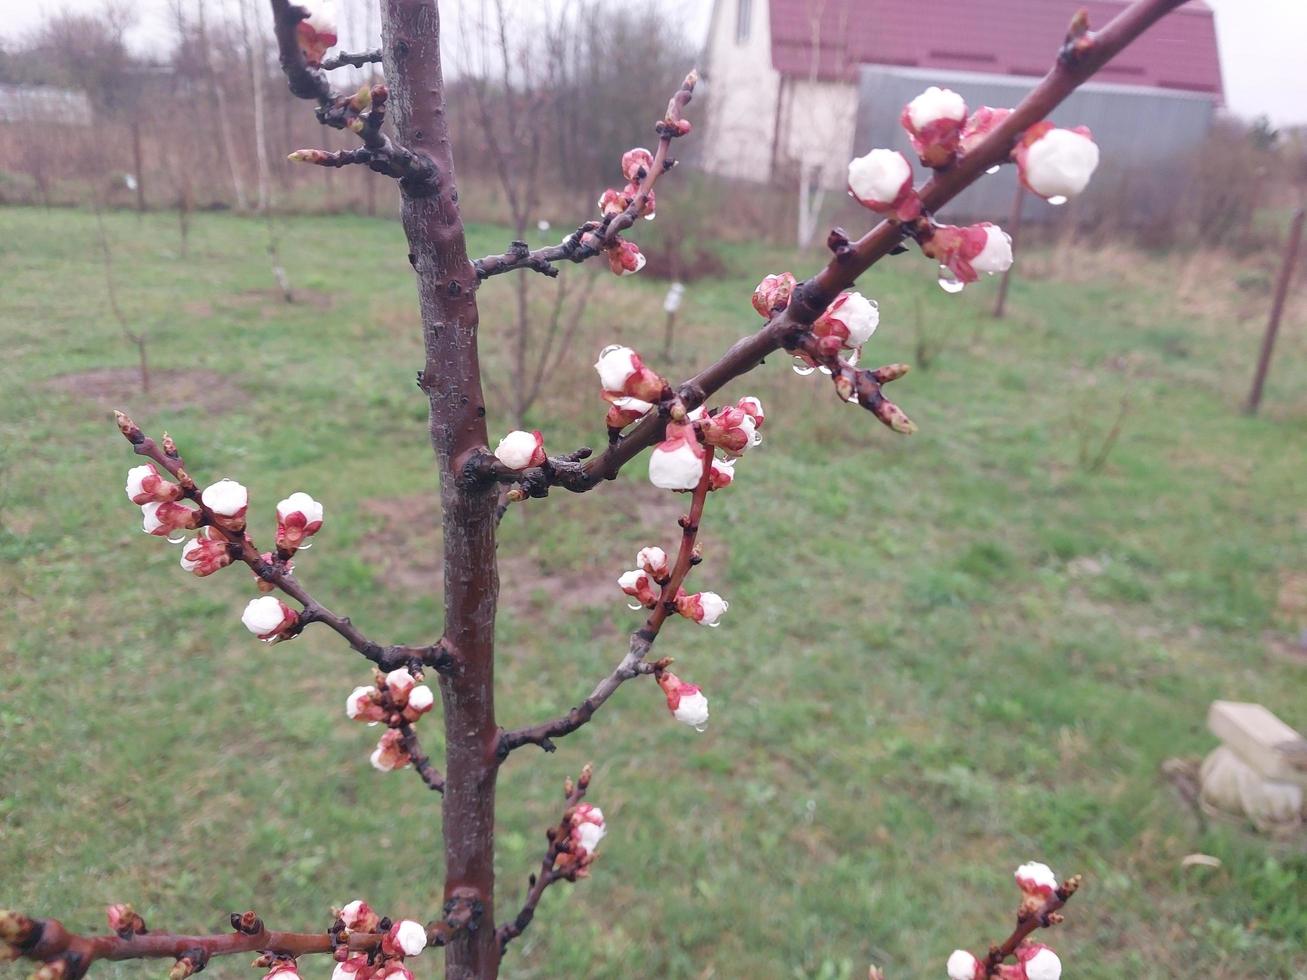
[(1145, 135)]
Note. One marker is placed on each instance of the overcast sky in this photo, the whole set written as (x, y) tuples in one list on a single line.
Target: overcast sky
[(1261, 42)]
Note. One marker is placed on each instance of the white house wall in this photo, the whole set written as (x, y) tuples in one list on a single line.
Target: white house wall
[(742, 89), (818, 127)]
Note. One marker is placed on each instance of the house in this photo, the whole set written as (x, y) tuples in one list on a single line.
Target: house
[(796, 88)]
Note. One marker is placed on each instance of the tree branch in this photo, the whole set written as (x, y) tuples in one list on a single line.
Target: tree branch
[(421, 762), (342, 58), (1028, 920)]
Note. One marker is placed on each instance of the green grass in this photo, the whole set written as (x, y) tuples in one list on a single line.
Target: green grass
[(945, 654)]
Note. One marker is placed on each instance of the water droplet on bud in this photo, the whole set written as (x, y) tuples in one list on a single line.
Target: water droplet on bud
[(1057, 200), (949, 282), (306, 546), (994, 169), (802, 368), (825, 369), (633, 606), (701, 728), (609, 349), (178, 539)]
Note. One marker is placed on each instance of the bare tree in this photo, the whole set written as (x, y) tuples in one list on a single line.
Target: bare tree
[(818, 320)]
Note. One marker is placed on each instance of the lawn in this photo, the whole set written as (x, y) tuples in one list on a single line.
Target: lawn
[(945, 654)]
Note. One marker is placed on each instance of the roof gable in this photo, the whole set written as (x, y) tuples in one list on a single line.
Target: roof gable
[(1003, 37)]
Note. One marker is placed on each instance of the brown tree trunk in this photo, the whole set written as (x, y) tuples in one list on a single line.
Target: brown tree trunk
[(452, 381)]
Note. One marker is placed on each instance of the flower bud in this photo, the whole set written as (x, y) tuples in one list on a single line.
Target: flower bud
[(1036, 880), (980, 124), (355, 967), (732, 430), (772, 295), (520, 449), (934, 124), (399, 682), (705, 608), (144, 484), (205, 553), (227, 500), (686, 702), (283, 970), (359, 917), (640, 585), (15, 928), (163, 519), (588, 829), (963, 966), (882, 181), (612, 201), (967, 252), (625, 258), (267, 617), (362, 705), (1039, 962), (677, 462), (722, 474), (622, 373), (405, 938), (390, 753), (847, 323), (753, 408), (1056, 163), (124, 920), (299, 516), (420, 700), (316, 33), (392, 970), (625, 410), (636, 163), (654, 561)]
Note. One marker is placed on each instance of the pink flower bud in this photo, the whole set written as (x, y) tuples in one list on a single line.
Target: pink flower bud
[(392, 970), (963, 966), (722, 474), (636, 163), (772, 295), (625, 410), (847, 323), (705, 608), (1056, 163), (1039, 962), (882, 181), (267, 617), (399, 682), (1036, 880), (967, 252), (520, 449), (732, 430), (654, 561), (622, 373), (420, 701), (261, 583), (205, 553), (588, 829), (316, 32), (283, 970), (359, 917), (934, 124), (144, 484), (677, 462), (612, 201), (640, 585), (405, 938), (753, 408), (227, 500), (685, 701), (390, 753), (354, 967), (625, 258), (162, 519), (362, 705), (124, 920), (980, 124), (299, 516)]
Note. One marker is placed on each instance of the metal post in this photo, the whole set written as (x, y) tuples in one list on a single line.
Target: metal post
[(1013, 229), (1277, 310)]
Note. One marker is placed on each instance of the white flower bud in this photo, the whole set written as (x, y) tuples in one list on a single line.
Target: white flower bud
[(226, 498), (860, 316), (267, 616), (520, 449), (421, 698), (680, 468), (615, 365), (409, 936), (1036, 878), (996, 256), (359, 700), (1044, 965), (692, 710), (1059, 163), (653, 560), (878, 177), (962, 965), (936, 103), (300, 502)]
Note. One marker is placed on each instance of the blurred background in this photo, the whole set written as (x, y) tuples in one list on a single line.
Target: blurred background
[(995, 641)]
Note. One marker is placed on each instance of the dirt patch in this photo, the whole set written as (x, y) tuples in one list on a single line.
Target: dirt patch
[(120, 388), (271, 299)]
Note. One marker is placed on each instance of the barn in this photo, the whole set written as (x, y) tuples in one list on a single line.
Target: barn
[(795, 87)]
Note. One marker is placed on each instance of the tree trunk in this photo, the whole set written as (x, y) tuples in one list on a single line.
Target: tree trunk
[(452, 381)]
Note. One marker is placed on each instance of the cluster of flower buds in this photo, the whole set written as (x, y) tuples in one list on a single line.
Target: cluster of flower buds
[(357, 966), (395, 698), (316, 33), (270, 619), (400, 939), (521, 449), (624, 257), (587, 829), (1035, 961), (964, 253), (390, 753), (630, 388), (677, 463), (686, 702)]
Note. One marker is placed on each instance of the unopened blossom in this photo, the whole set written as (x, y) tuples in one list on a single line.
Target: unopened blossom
[(363, 705), (963, 966), (144, 484), (612, 201), (405, 938), (1039, 962), (390, 753), (520, 449), (882, 181), (358, 916), (227, 500), (1056, 163), (654, 561), (705, 608), (399, 682), (722, 474), (772, 295), (846, 324), (980, 124), (124, 920), (162, 519), (640, 586), (354, 967), (677, 462), (1036, 880), (267, 617), (271, 560), (316, 33), (753, 407), (299, 516), (624, 258), (967, 252), (636, 163), (420, 701), (588, 829), (205, 553), (283, 970), (732, 430), (625, 410), (622, 374), (686, 702), (392, 970), (934, 124)]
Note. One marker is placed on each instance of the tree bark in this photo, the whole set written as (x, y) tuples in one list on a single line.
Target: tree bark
[(452, 381)]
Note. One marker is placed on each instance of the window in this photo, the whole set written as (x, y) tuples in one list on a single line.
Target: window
[(743, 15)]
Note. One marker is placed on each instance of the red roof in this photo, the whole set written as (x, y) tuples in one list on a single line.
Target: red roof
[(999, 37)]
